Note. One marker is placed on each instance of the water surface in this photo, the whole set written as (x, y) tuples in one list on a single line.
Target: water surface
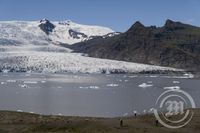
[(98, 95)]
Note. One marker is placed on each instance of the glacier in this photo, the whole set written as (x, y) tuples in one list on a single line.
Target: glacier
[(24, 47), (44, 61)]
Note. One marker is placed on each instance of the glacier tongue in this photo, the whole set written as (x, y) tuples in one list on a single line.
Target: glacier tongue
[(38, 61)]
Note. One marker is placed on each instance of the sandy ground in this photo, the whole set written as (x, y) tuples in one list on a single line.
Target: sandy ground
[(15, 122)]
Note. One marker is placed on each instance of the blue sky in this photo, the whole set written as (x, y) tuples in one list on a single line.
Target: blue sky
[(116, 14)]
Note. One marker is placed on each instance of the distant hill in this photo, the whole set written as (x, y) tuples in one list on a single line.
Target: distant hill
[(175, 45)]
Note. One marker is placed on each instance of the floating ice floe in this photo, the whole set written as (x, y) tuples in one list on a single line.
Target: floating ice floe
[(23, 86), (11, 81), (184, 76), (89, 87), (43, 81), (125, 114), (2, 83), (172, 87), (145, 85), (153, 76), (81, 87), (189, 75), (94, 87), (112, 85), (135, 111), (5, 71), (19, 111), (176, 82), (60, 114), (30, 82)]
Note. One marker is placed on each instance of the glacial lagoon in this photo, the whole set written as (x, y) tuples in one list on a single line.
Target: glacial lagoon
[(98, 95)]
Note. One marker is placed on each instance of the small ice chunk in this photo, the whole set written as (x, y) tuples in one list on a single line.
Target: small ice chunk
[(5, 71), (153, 76), (60, 114), (11, 81), (145, 85), (2, 83), (189, 75), (23, 85), (89, 87), (176, 82), (43, 81), (94, 87), (125, 114), (172, 87), (107, 72), (112, 85), (81, 87), (30, 82)]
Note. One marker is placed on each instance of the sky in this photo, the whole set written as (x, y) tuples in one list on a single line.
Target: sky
[(116, 14)]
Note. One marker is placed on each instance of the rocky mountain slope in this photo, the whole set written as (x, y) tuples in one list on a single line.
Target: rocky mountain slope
[(175, 45)]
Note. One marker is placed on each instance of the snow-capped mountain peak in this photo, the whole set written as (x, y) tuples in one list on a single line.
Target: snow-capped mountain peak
[(30, 32), (70, 32)]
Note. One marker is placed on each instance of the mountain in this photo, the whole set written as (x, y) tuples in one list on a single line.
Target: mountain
[(174, 45), (36, 46), (45, 32)]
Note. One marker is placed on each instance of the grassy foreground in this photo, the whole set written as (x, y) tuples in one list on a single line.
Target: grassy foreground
[(15, 122)]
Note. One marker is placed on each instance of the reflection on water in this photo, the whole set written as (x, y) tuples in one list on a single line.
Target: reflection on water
[(87, 94)]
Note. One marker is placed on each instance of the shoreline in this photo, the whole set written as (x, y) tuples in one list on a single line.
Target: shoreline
[(21, 122)]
